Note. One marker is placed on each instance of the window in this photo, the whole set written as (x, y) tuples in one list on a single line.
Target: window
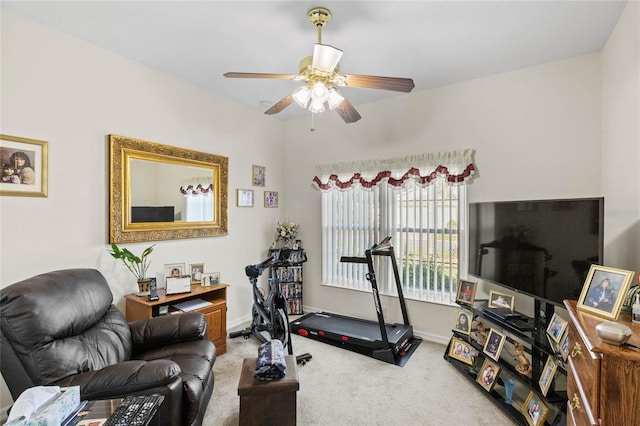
[(424, 215)]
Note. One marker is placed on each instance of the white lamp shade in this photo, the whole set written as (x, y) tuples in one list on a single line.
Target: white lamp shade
[(334, 98), (319, 92), (325, 57), (302, 95), (316, 107)]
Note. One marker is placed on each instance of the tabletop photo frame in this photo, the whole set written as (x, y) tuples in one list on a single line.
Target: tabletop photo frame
[(463, 321), (466, 292), (493, 346), (488, 374), (556, 327), (501, 300), (548, 373), (604, 291), (461, 350), (534, 410)]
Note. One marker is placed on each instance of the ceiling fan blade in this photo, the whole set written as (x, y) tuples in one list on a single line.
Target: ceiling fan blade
[(259, 75), (397, 84), (325, 57), (348, 112), (282, 104)]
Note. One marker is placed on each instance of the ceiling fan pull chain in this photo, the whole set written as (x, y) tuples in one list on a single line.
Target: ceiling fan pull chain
[(313, 128)]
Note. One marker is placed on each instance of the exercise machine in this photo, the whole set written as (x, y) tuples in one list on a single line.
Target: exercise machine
[(392, 343), (269, 317)]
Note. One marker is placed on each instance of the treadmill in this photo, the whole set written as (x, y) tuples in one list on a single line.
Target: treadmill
[(392, 343)]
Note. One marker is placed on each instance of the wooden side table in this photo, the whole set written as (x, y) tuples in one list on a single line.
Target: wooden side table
[(267, 403), (139, 307)]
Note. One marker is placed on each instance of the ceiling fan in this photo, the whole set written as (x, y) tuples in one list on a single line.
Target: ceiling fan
[(321, 73)]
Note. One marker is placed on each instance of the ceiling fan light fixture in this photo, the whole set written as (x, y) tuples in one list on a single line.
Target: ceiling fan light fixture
[(334, 99), (325, 57), (316, 107), (301, 96), (319, 92)]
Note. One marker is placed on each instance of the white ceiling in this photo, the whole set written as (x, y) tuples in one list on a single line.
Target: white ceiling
[(433, 42)]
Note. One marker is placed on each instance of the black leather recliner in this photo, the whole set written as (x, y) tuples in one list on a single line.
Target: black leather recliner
[(61, 329)]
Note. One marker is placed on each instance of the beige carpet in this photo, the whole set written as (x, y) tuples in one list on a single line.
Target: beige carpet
[(339, 387)]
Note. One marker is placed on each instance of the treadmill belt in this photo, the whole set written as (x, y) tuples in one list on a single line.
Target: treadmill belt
[(355, 328)]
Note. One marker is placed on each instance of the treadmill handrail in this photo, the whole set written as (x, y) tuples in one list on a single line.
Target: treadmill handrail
[(353, 259)]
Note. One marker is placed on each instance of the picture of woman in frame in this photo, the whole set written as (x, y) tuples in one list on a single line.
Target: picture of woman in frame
[(604, 291), (463, 321), (493, 345), (488, 375), (534, 410)]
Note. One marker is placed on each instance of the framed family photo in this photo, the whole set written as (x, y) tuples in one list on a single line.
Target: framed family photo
[(174, 270), (604, 291), (244, 197), (270, 199), (461, 350), (210, 278), (548, 373), (564, 347), (24, 167), (534, 410), (258, 175), (488, 374), (463, 321), (556, 328), (196, 271), (500, 300), (493, 345), (466, 292)]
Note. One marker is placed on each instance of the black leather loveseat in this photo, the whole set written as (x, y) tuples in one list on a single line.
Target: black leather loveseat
[(61, 328)]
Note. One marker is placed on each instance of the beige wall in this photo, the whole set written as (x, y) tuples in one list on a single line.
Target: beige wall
[(537, 133)]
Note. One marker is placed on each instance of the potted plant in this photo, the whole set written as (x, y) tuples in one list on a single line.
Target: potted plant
[(137, 265)]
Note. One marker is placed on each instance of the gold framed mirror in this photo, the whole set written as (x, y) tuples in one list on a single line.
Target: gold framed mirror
[(161, 192)]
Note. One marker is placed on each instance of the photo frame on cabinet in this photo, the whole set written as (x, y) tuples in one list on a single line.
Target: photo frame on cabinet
[(534, 410), (244, 197), (466, 292), (174, 270), (604, 291), (493, 346), (24, 167), (270, 199), (488, 374), (196, 271), (556, 327), (463, 321), (547, 375), (210, 278), (258, 175), (501, 300), (461, 350)]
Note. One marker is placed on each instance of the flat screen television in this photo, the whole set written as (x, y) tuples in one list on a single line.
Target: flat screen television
[(542, 248)]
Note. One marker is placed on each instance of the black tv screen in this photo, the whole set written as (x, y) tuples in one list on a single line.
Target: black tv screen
[(543, 248)]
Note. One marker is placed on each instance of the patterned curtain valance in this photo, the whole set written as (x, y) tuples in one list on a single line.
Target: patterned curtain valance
[(455, 166), (196, 190)]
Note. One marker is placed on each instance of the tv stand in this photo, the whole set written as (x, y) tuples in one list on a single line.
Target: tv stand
[(530, 333)]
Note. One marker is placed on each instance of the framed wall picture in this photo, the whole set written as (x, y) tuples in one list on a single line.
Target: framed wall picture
[(244, 197), (258, 175), (174, 270), (548, 373), (534, 410), (604, 291), (556, 327), (466, 292), (461, 350), (196, 271), (488, 374), (493, 345), (270, 199), (501, 300), (463, 321), (24, 167)]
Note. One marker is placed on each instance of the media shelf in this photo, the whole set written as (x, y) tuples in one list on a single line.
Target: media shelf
[(537, 349)]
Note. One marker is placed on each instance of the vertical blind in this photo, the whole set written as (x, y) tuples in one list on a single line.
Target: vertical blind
[(418, 200)]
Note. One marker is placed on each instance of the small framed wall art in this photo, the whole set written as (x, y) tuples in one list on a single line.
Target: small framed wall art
[(24, 167), (244, 197), (604, 291), (270, 199), (258, 175)]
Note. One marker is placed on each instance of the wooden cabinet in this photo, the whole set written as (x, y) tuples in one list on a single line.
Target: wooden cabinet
[(603, 386), (139, 307)]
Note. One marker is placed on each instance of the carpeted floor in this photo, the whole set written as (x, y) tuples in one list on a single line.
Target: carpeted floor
[(339, 387)]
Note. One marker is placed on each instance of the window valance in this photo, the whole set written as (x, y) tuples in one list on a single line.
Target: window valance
[(456, 167)]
